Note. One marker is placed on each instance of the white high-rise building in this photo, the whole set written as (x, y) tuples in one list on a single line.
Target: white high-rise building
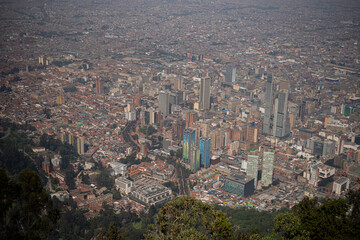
[(268, 168), (253, 167)]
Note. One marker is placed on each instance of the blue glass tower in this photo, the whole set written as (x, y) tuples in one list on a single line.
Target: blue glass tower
[(189, 143), (204, 146)]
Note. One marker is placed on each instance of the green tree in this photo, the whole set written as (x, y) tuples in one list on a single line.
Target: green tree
[(290, 226), (314, 219), (26, 209), (104, 180), (114, 233), (70, 178), (188, 218), (353, 200)]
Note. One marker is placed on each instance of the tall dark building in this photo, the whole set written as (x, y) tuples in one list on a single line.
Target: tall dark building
[(205, 145), (269, 92), (281, 124), (204, 103), (302, 111), (164, 103), (276, 118), (230, 74)]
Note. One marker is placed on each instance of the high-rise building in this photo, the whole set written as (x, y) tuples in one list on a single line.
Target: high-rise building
[(230, 74), (204, 102), (268, 168), (164, 103), (178, 84), (189, 143), (205, 144), (59, 99), (269, 88), (281, 125), (191, 118), (79, 145), (253, 167), (195, 159), (302, 111), (99, 86)]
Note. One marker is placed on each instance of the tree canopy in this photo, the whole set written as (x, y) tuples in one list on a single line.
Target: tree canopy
[(189, 218), (26, 208)]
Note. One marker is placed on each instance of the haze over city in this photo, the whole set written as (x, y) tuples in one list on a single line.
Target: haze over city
[(121, 109)]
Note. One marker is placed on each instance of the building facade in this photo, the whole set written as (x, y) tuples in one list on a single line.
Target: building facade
[(268, 168), (205, 145), (253, 167), (189, 143), (240, 185), (204, 102)]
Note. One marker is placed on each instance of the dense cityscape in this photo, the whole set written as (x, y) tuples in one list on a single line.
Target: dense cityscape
[(131, 104)]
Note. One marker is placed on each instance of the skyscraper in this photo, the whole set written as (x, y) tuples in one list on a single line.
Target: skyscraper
[(99, 86), (301, 111), (268, 168), (253, 167), (191, 118), (205, 144), (204, 103), (276, 118), (195, 159), (230, 74), (281, 125), (268, 106), (189, 143), (164, 103)]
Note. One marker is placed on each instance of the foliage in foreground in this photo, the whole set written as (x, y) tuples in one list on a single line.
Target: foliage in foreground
[(26, 211), (188, 218)]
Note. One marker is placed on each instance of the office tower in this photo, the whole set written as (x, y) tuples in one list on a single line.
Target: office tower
[(268, 168), (240, 185), (269, 88), (302, 111), (329, 147), (205, 144), (191, 118), (178, 128), (178, 84), (189, 143), (146, 118), (230, 74), (80, 145), (99, 86), (253, 167), (195, 159), (59, 99), (281, 125), (204, 102), (164, 103)]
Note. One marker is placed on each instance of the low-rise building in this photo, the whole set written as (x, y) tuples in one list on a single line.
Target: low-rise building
[(151, 192), (341, 185), (241, 185), (124, 185), (119, 168)]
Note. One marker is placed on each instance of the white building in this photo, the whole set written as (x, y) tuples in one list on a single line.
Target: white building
[(151, 192), (341, 185), (119, 168), (124, 185)]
